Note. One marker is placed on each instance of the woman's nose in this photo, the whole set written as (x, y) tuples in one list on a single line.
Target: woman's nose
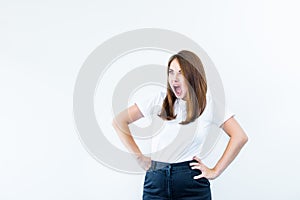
[(176, 77)]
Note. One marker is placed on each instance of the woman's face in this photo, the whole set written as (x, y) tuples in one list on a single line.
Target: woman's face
[(177, 81)]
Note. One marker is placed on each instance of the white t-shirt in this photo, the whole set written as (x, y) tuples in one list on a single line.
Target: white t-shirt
[(177, 143)]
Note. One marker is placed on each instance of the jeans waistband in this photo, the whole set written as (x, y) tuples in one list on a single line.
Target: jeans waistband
[(155, 165)]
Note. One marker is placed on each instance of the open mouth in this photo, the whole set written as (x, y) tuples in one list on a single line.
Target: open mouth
[(177, 90)]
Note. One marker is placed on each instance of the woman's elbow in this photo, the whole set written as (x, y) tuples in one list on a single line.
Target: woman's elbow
[(243, 139), (118, 122), (115, 122)]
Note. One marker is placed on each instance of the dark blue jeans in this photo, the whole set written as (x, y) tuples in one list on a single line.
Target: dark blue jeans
[(175, 181)]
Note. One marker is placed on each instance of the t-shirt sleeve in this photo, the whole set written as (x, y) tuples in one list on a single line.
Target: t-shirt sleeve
[(228, 113), (221, 112), (149, 105)]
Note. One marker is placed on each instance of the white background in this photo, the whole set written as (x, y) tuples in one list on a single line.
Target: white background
[(254, 45)]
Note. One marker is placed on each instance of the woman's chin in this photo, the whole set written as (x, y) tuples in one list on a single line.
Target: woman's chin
[(180, 96), (177, 95)]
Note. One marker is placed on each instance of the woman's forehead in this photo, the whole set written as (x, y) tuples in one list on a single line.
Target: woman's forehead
[(174, 65)]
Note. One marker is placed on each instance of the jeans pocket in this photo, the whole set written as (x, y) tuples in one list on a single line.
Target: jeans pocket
[(147, 180), (201, 182), (154, 181)]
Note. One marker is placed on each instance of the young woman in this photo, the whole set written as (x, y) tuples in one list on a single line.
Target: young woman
[(181, 174)]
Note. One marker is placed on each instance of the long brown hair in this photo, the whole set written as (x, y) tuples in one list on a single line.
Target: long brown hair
[(194, 74)]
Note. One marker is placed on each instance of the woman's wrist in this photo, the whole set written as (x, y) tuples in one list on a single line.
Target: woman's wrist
[(138, 156), (216, 172)]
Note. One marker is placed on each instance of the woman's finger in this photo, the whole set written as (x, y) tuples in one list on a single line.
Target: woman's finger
[(198, 176), (197, 159), (194, 163), (195, 167)]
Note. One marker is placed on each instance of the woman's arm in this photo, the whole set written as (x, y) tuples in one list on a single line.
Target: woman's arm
[(238, 139), (120, 124)]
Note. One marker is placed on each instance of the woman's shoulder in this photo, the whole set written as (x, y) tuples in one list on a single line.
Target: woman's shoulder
[(160, 96), (208, 95), (154, 97)]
